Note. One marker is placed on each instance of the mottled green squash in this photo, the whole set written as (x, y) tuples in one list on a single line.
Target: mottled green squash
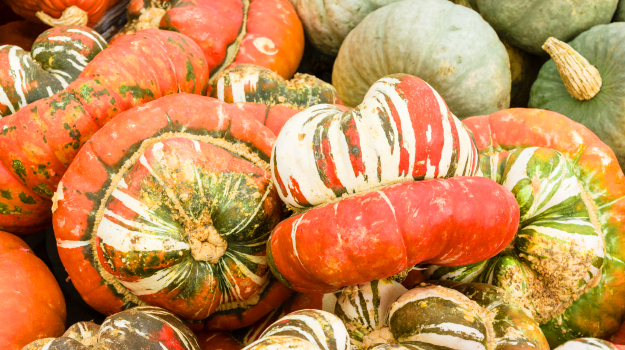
[(449, 46), (526, 24)]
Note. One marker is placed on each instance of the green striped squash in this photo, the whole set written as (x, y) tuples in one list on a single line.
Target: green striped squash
[(558, 251), (57, 58), (304, 329)]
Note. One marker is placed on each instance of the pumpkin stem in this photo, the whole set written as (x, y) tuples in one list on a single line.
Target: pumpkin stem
[(378, 337), (207, 244), (71, 16), (581, 79)]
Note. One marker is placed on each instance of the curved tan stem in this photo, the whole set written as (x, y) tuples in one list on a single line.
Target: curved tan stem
[(71, 16), (581, 79)]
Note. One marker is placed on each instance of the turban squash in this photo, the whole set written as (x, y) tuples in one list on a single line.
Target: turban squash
[(32, 303), (589, 344), (450, 315), (402, 131), (62, 12), (175, 213), (267, 33), (38, 143), (57, 58), (267, 96), (143, 327), (449, 46), (566, 263)]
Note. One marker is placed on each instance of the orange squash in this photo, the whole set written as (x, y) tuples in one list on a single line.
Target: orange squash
[(62, 12), (31, 301)]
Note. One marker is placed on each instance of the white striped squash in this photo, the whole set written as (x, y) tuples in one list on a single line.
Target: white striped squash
[(402, 131)]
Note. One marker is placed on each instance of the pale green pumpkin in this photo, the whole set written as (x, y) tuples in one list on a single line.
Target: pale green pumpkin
[(449, 46), (526, 24)]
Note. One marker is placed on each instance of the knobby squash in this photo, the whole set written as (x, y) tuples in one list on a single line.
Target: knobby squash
[(57, 58), (449, 46), (175, 213), (566, 263), (584, 81), (156, 63)]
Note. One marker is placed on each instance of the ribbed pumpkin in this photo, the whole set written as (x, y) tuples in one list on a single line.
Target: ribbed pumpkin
[(176, 213), (57, 58), (31, 301), (143, 327), (62, 12), (526, 24), (588, 344), (566, 263), (327, 23), (596, 98), (155, 63), (306, 330), (449, 46), (451, 315), (267, 33), (267, 96)]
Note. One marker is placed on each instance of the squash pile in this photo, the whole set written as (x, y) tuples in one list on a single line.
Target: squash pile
[(198, 186)]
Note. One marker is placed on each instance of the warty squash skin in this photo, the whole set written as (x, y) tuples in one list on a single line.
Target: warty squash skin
[(139, 328), (570, 190), (37, 143), (449, 46), (603, 46), (267, 33), (526, 24), (31, 301), (56, 59), (176, 214)]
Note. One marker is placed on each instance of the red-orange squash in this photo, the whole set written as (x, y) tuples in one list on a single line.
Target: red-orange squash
[(266, 33), (87, 12), (38, 142), (174, 213), (31, 301)]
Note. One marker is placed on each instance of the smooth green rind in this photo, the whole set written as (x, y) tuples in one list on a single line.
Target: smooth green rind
[(604, 47), (449, 46), (526, 24)]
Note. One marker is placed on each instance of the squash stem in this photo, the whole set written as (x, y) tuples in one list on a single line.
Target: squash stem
[(581, 79), (71, 16)]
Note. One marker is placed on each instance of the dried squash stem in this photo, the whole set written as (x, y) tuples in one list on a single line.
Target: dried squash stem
[(71, 16)]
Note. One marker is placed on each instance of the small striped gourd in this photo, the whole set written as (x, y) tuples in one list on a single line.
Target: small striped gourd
[(566, 262), (142, 327), (176, 213), (56, 59), (306, 330), (402, 131), (271, 99), (451, 315)]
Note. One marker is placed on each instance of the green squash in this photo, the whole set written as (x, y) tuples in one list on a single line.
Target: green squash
[(619, 16), (327, 22), (447, 45), (604, 47), (526, 24)]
